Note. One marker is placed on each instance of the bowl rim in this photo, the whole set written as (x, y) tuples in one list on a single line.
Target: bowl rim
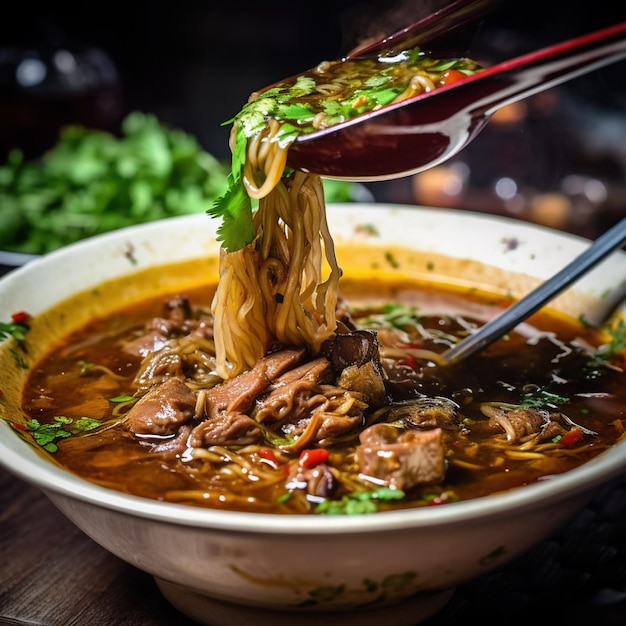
[(20, 459)]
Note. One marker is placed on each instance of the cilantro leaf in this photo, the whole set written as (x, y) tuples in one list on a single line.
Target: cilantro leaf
[(62, 427), (359, 502), (92, 182), (11, 329), (616, 344), (393, 315), (540, 397), (235, 209)]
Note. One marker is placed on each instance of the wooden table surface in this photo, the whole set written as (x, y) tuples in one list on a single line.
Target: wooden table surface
[(51, 574)]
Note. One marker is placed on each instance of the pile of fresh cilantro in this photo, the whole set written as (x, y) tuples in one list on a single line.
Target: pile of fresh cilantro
[(91, 182)]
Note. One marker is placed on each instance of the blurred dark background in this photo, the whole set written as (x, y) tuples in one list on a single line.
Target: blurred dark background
[(558, 158)]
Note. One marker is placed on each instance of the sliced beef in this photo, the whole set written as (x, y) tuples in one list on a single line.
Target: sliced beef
[(144, 345), (401, 458), (336, 425), (519, 423), (321, 423), (516, 422), (354, 348), (424, 412), (226, 429), (367, 380), (162, 410), (551, 430), (354, 355), (316, 481), (288, 397), (178, 309), (239, 393), (172, 445), (178, 319)]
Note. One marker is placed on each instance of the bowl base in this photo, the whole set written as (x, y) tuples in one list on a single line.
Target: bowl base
[(213, 612)]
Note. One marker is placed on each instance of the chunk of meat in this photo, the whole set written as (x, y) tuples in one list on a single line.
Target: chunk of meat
[(226, 429), (353, 348), (162, 409), (305, 407), (519, 422), (288, 396), (401, 458), (316, 481), (516, 422), (551, 430), (238, 394), (367, 380), (323, 420), (424, 413), (179, 319), (172, 445), (144, 345)]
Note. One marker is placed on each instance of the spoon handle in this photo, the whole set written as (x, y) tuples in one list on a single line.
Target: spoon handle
[(448, 28), (532, 302)]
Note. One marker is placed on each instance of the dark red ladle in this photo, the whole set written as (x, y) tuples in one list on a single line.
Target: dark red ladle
[(424, 131)]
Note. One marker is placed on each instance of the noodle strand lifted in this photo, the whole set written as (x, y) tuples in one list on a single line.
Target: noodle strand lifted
[(274, 291)]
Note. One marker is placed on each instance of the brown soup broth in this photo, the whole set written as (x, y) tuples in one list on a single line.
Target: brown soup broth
[(539, 364)]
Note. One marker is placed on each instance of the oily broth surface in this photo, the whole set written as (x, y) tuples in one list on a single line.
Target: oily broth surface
[(113, 457)]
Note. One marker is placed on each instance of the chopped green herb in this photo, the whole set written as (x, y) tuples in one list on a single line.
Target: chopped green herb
[(61, 427), (393, 315), (607, 351), (122, 398), (92, 182), (19, 359), (359, 502), (541, 397), (602, 359), (84, 366), (11, 329), (391, 260), (368, 229)]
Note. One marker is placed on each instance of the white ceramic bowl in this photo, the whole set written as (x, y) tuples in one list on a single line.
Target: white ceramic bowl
[(223, 567)]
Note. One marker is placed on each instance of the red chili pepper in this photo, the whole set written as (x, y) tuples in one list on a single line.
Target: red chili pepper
[(436, 501), (311, 458), (571, 437), (20, 317), (451, 76), (410, 361), (268, 455)]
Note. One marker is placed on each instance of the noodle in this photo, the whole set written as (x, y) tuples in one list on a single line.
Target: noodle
[(279, 400), (273, 290)]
